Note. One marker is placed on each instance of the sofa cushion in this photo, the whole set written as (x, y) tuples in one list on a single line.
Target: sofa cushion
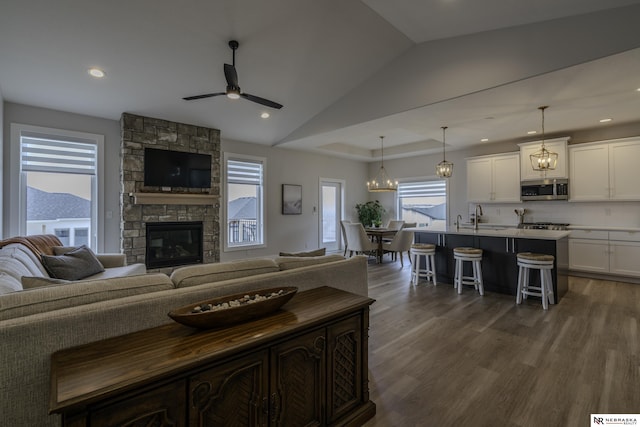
[(288, 263), (30, 260), (73, 265), (316, 252), (30, 282), (206, 273), (74, 293), (9, 283)]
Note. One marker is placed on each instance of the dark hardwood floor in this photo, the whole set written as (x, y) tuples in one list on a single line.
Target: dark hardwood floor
[(441, 359)]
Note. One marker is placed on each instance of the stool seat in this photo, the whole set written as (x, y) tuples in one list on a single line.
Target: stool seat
[(528, 261), (467, 251), (474, 256), (530, 256), (423, 246), (428, 252)]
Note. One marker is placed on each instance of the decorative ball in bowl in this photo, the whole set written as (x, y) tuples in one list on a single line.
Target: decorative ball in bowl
[(230, 309)]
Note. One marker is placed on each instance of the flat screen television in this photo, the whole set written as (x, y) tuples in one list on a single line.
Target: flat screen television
[(166, 168)]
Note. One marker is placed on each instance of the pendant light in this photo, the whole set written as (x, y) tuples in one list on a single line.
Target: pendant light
[(444, 169), (381, 182), (543, 159)]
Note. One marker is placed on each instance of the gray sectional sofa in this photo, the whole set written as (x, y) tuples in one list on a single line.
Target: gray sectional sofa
[(34, 323)]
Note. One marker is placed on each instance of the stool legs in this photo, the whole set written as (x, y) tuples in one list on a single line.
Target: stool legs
[(544, 291), (475, 280), (428, 272)]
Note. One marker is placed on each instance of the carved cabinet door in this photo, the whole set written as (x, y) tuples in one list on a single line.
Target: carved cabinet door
[(346, 379), (232, 394), (162, 406), (297, 385)]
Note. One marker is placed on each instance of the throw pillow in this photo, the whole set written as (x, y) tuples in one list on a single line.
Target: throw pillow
[(73, 265), (316, 252)]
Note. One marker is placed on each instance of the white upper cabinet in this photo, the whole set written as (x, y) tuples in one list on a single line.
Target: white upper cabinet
[(605, 171), (493, 178), (558, 145)]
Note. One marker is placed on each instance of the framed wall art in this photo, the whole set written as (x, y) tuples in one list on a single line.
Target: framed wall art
[(291, 199)]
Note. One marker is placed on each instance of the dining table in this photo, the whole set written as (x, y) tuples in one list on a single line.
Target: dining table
[(378, 234)]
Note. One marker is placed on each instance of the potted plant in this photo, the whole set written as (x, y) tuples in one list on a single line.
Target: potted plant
[(370, 213)]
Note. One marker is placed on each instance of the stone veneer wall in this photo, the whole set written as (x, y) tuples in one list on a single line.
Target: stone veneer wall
[(139, 132)]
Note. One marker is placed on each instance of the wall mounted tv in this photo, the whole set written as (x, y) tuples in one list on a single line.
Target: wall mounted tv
[(166, 168)]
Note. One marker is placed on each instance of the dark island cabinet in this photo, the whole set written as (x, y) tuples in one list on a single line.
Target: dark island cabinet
[(307, 366), (499, 259)]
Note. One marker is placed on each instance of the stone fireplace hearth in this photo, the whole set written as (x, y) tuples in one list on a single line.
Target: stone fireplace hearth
[(141, 205)]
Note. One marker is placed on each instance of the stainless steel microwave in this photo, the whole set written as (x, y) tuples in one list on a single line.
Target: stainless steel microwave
[(544, 189)]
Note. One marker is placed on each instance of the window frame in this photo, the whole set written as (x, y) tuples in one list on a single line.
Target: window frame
[(16, 224), (261, 203), (419, 180)]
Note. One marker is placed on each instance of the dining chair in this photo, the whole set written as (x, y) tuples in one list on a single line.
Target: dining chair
[(401, 243), (344, 235), (395, 224), (358, 240)]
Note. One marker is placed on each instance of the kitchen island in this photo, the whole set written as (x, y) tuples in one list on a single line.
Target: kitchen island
[(500, 247)]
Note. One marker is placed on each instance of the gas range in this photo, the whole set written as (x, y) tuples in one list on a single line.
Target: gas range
[(543, 226)]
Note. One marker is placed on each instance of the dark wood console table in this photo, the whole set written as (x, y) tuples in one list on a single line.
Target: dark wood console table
[(306, 364)]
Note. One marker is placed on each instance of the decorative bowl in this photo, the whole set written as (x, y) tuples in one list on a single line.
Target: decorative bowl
[(233, 314)]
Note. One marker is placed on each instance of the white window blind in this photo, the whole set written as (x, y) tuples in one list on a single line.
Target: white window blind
[(244, 172), (422, 189), (49, 155)]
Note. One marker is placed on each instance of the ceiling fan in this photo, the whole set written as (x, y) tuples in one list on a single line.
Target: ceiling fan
[(233, 90)]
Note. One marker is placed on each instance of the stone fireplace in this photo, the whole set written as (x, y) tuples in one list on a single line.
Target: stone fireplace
[(142, 205)]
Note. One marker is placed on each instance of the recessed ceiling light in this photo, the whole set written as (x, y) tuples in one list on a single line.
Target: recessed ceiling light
[(265, 115), (605, 120), (638, 89), (484, 140), (96, 72), (532, 132)]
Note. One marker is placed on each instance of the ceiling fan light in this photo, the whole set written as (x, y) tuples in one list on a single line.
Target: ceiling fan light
[(233, 93)]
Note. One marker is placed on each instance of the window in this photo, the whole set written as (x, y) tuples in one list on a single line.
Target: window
[(58, 184), (423, 202), (244, 201)]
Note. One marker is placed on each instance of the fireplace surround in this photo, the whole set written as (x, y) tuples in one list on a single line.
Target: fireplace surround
[(142, 205)]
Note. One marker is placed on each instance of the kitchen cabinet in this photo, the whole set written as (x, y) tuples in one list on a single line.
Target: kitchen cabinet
[(614, 252), (494, 179), (304, 365), (499, 258), (605, 171), (527, 173)]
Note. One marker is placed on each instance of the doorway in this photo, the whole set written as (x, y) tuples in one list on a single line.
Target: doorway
[(331, 197)]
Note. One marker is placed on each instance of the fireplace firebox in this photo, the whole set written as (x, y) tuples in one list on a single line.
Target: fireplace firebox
[(171, 244)]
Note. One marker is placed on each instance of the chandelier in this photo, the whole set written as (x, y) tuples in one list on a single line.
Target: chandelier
[(381, 182), (543, 159), (444, 169)]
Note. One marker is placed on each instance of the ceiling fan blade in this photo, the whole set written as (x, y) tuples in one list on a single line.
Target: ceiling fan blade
[(206, 95), (231, 75), (262, 101)]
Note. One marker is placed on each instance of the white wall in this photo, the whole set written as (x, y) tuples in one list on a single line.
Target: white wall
[(291, 233)]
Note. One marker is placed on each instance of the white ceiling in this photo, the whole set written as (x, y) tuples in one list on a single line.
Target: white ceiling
[(314, 57)]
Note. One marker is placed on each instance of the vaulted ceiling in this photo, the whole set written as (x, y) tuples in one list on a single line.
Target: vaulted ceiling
[(346, 71)]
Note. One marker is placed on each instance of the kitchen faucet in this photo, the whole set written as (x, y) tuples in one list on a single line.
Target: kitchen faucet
[(458, 219), (477, 216)]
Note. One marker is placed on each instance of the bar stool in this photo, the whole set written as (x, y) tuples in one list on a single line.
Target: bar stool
[(474, 256), (428, 251), (528, 261)]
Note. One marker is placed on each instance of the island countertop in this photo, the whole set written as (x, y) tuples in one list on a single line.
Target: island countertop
[(518, 233)]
